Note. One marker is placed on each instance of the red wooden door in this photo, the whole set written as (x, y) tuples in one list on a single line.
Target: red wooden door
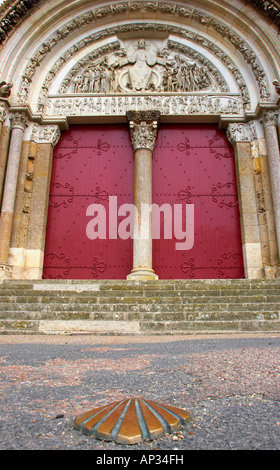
[(194, 164), (90, 164)]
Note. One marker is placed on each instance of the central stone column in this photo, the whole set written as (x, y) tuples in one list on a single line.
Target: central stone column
[(143, 130)]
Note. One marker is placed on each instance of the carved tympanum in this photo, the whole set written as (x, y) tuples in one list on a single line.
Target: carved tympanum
[(142, 66)]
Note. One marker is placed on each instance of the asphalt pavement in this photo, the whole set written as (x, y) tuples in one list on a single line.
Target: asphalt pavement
[(229, 383)]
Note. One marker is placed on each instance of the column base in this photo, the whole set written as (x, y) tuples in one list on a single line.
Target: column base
[(142, 274), (5, 271)]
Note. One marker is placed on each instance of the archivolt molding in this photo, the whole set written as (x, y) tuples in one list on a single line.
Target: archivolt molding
[(170, 11), (12, 13), (168, 20)]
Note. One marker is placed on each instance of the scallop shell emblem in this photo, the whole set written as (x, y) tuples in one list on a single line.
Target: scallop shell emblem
[(132, 421)]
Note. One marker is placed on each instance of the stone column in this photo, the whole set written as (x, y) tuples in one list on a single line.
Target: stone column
[(240, 135), (143, 129), (26, 253), (269, 121), (18, 122)]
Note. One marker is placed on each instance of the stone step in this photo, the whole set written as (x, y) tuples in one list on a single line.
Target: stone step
[(139, 285), (221, 305), (137, 327), (187, 294), (165, 315), (152, 307)]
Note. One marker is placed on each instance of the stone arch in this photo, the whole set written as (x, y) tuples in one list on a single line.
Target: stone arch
[(238, 44)]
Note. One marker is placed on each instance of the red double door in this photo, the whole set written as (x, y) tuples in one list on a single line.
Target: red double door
[(93, 175)]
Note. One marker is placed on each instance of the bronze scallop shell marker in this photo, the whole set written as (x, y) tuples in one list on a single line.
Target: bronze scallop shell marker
[(131, 421)]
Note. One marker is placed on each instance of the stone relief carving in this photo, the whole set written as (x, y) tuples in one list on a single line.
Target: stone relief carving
[(45, 134), (19, 120), (144, 67), (173, 10), (213, 104), (270, 118), (20, 8), (241, 132), (143, 128)]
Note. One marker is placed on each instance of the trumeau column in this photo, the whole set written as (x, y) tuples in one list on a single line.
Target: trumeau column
[(269, 121), (240, 135), (143, 129), (19, 122)]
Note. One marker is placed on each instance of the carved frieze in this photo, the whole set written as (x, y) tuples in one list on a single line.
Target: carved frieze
[(117, 105)]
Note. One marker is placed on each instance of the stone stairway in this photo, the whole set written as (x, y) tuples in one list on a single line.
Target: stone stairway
[(139, 307)]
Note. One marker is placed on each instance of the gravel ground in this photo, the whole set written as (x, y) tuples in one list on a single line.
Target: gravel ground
[(230, 385)]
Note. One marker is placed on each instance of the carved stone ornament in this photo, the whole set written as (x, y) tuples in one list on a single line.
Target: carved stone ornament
[(5, 89), (270, 118), (17, 10), (144, 66), (241, 132), (171, 11), (19, 120), (45, 134), (169, 104), (143, 128)]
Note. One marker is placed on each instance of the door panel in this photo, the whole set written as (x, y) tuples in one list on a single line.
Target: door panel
[(90, 164), (194, 164)]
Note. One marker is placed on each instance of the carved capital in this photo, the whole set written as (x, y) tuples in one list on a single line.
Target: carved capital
[(143, 128), (241, 132), (19, 120), (270, 118), (45, 134)]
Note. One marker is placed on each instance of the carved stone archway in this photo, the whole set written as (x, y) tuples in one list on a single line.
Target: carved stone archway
[(190, 63)]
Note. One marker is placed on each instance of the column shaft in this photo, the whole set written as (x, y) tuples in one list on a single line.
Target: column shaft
[(274, 170), (19, 123), (142, 245), (143, 126), (270, 129)]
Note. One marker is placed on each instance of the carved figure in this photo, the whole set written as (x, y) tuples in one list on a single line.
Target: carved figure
[(276, 83), (5, 89), (141, 72), (142, 67)]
